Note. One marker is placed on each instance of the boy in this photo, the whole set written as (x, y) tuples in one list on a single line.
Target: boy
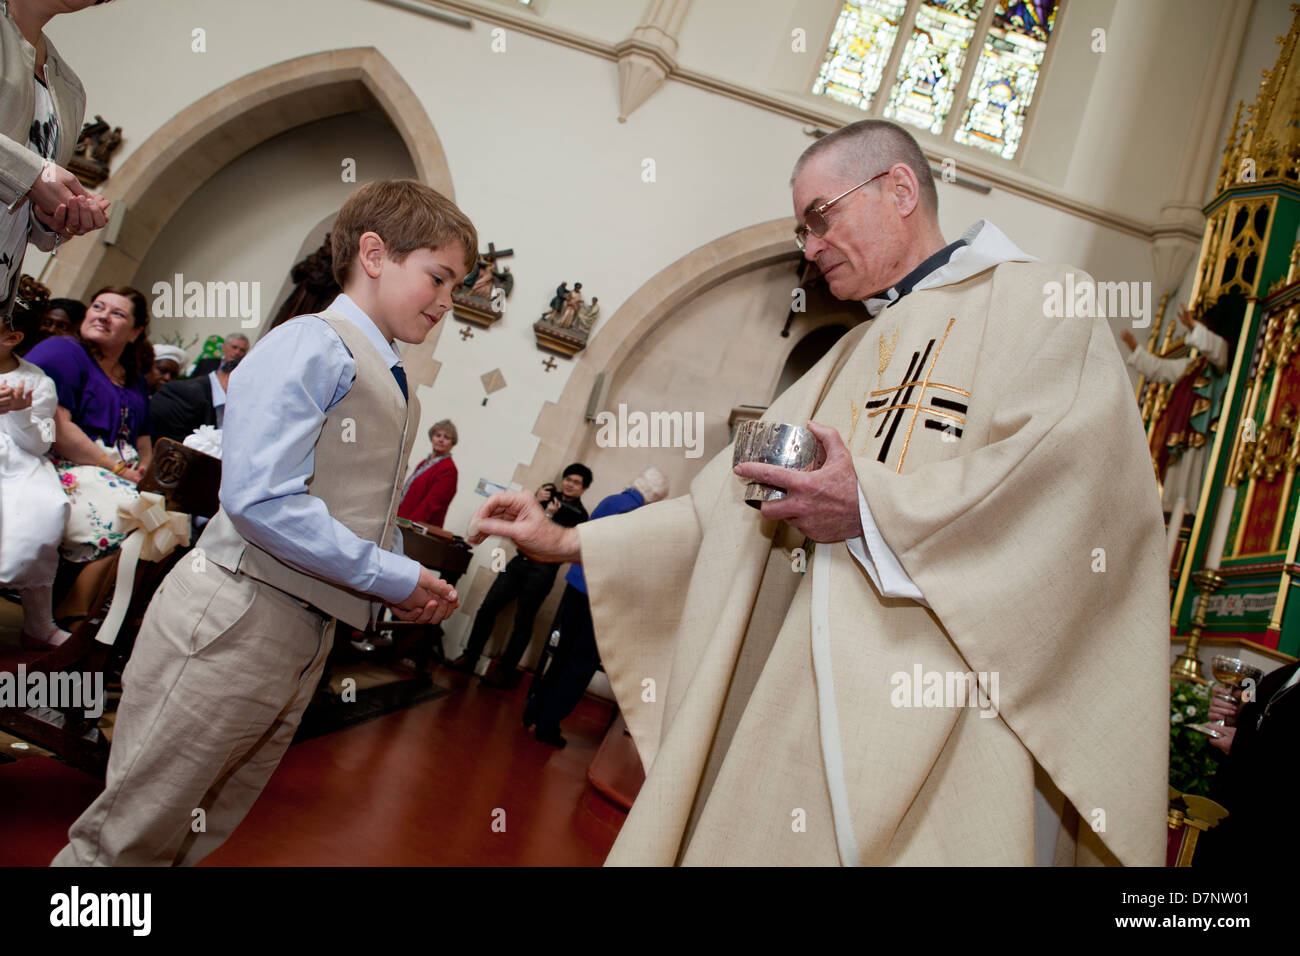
[(317, 431)]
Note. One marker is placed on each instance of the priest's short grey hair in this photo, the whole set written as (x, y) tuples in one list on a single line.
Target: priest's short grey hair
[(868, 147)]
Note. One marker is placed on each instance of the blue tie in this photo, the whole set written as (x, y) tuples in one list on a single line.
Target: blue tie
[(399, 373)]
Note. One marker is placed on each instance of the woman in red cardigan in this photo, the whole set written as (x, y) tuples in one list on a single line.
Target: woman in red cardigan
[(432, 484)]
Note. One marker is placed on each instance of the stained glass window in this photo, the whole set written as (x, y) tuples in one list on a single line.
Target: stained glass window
[(1006, 74), (933, 67), (932, 62), (859, 51)]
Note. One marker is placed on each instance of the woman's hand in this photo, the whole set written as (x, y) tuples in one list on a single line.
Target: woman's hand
[(78, 216), (1129, 339)]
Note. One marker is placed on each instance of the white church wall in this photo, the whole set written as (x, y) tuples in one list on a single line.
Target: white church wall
[(248, 221)]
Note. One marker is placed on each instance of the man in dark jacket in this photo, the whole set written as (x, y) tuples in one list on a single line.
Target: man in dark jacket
[(179, 407), (1257, 778)]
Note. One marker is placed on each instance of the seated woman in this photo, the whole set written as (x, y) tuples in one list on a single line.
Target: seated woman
[(168, 363), (33, 507), (101, 427), (432, 484)]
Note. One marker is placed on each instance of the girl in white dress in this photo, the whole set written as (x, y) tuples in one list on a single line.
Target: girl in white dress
[(33, 507)]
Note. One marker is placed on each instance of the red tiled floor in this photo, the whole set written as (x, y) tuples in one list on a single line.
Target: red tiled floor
[(417, 787)]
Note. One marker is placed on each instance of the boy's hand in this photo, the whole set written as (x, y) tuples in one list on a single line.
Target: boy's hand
[(14, 400), (518, 516), (431, 602)]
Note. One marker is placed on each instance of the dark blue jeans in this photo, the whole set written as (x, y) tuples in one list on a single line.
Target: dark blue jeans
[(525, 580)]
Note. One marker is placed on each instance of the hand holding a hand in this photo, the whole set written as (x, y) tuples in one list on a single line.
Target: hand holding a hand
[(431, 602)]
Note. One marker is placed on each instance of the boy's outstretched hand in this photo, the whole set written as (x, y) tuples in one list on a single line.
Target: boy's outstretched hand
[(431, 602), (517, 515)]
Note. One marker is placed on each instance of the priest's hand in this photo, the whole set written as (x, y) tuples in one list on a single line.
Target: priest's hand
[(431, 602), (1129, 339), (517, 515), (822, 504)]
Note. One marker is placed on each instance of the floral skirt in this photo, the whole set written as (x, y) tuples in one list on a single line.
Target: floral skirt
[(95, 493)]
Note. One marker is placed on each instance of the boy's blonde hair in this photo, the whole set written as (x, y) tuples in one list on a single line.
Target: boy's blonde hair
[(407, 215)]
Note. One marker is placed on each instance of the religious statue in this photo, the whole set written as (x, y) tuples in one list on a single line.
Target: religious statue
[(565, 326), (588, 314), (95, 146), (481, 298), (1184, 427)]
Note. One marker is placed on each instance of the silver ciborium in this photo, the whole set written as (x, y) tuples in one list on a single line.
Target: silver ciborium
[(1231, 673), (772, 443)]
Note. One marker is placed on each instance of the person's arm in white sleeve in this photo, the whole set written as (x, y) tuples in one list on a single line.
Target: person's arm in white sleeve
[(32, 429), (1156, 369), (1213, 346), (879, 560)]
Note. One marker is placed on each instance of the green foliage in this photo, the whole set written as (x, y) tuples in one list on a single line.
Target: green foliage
[(1192, 761)]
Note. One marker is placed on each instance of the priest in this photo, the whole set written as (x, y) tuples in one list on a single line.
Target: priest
[(986, 520)]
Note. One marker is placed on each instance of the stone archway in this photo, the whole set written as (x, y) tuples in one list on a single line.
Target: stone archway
[(561, 425), (627, 340), (164, 171)]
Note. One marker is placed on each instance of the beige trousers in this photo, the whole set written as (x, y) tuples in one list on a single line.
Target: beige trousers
[(221, 673)]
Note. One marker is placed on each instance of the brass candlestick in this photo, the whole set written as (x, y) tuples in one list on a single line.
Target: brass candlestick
[(1188, 665)]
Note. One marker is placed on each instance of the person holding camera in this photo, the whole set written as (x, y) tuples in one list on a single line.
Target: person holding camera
[(526, 580)]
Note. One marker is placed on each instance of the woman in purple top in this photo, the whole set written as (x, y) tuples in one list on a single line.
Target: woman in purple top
[(102, 445)]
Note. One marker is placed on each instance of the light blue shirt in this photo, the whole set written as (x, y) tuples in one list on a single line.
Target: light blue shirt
[(275, 409)]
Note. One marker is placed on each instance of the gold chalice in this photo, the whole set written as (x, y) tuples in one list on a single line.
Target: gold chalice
[(1230, 673)]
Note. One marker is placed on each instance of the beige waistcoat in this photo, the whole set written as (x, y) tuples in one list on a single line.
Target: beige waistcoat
[(357, 473)]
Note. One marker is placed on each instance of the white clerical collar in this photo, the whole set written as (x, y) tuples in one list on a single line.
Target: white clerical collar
[(358, 317), (985, 246)]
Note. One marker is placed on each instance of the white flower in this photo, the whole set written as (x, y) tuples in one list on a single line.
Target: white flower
[(1176, 719), (1191, 710)]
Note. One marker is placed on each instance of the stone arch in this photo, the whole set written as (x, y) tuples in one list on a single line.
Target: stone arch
[(561, 425), (182, 154)]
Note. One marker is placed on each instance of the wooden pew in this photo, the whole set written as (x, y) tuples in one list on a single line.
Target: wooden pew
[(189, 481)]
